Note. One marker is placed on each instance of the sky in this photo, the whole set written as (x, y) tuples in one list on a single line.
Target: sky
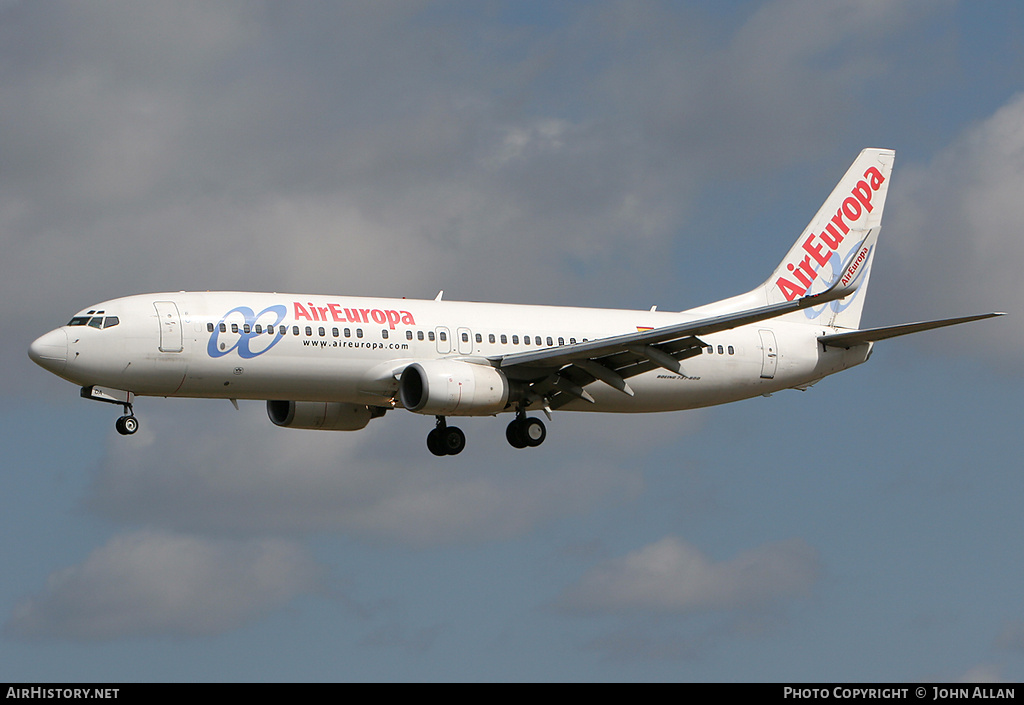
[(599, 153)]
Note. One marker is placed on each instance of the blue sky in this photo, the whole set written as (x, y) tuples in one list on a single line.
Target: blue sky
[(618, 154)]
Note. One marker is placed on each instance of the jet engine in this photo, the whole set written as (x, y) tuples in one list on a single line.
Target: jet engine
[(453, 388), (319, 415)]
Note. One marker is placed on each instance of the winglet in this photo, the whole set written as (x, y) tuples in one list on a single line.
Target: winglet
[(848, 280)]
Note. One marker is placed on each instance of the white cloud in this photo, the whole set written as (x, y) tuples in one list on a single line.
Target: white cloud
[(672, 576), (157, 584), (955, 230)]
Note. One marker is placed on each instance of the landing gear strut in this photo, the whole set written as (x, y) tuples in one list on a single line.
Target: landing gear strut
[(525, 431), (445, 439)]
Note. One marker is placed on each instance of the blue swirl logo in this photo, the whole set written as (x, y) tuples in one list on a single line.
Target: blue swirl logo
[(244, 322)]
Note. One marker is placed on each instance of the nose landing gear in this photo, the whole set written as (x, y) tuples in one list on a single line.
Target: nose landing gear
[(127, 424)]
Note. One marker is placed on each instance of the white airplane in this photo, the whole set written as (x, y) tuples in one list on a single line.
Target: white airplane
[(333, 362)]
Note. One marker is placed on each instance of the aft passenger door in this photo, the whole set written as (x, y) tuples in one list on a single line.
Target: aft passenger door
[(769, 354)]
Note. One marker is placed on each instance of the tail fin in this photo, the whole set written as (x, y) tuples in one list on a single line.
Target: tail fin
[(842, 234)]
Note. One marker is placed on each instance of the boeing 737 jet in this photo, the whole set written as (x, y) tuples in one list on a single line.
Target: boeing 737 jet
[(336, 362)]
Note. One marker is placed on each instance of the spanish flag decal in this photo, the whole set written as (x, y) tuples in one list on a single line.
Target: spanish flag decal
[(644, 329)]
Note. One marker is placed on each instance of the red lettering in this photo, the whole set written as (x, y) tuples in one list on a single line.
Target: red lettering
[(816, 251), (799, 275), (875, 176), (838, 220), (313, 309), (363, 312), (336, 312), (407, 318), (806, 266), (323, 312), (352, 314), (862, 192), (301, 312), (789, 289), (851, 209), (830, 237), (393, 318), (378, 316)]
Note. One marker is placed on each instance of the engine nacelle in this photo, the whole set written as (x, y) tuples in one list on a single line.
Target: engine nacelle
[(452, 388), (324, 416)]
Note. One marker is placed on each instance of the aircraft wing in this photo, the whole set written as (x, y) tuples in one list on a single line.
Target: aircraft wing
[(869, 335), (556, 376)]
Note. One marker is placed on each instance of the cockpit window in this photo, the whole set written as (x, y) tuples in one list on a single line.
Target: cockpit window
[(94, 321)]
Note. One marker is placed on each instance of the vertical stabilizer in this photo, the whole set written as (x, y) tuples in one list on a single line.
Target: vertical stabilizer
[(843, 233)]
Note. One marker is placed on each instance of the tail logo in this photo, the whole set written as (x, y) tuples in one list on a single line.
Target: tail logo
[(816, 256)]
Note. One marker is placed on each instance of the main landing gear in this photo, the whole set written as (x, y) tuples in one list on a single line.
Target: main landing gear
[(525, 431), (445, 439)]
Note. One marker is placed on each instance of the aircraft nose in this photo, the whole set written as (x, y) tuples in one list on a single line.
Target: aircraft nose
[(50, 351)]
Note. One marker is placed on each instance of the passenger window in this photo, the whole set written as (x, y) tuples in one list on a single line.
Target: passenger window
[(384, 334), (348, 332), (731, 351), (504, 339), (572, 341), (408, 335), (223, 328), (359, 332), (322, 332), (309, 330), (526, 340), (419, 335), (515, 340), (561, 340), (234, 327), (246, 329), (334, 332), (710, 350), (443, 336), (430, 336), (550, 341), (479, 338), (720, 350), (490, 338), (259, 329), (465, 337), (295, 330)]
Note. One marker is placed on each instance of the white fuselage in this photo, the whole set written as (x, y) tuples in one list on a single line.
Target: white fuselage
[(353, 349)]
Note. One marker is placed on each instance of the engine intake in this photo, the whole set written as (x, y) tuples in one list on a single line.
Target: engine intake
[(453, 388), (323, 416)]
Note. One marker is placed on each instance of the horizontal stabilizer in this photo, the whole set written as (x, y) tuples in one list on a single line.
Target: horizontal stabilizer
[(869, 335)]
